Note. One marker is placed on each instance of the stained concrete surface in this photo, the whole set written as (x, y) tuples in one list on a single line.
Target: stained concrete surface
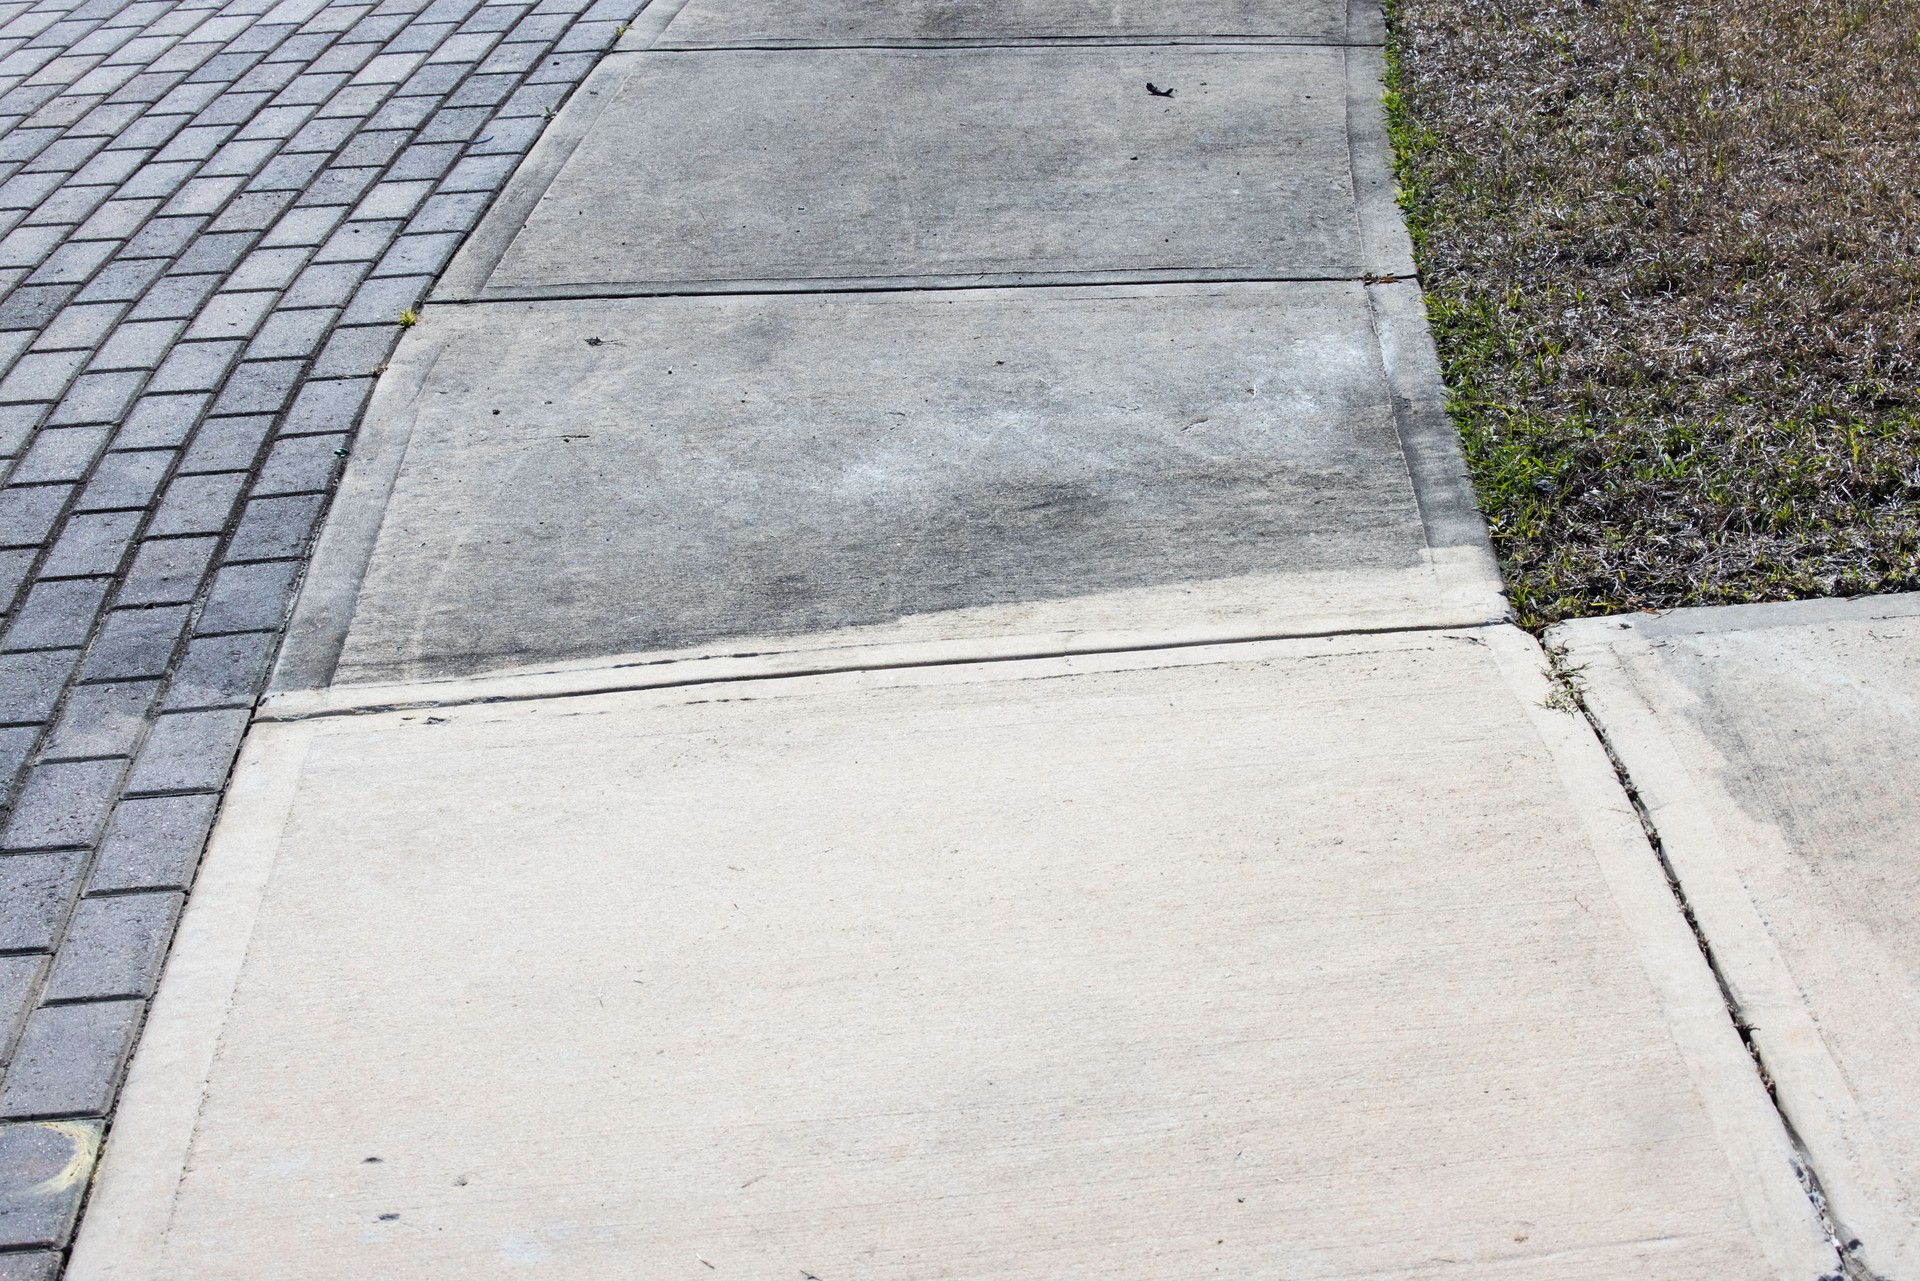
[(746, 23), (600, 478), (1319, 958), (858, 167), (1773, 746)]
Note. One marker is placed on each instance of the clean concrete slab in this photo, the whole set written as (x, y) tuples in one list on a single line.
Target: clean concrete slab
[(751, 24), (1774, 748), (543, 482), (756, 170), (1335, 957)]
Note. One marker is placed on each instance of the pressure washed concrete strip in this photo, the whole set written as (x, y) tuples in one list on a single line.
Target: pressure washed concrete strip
[(971, 735), (1771, 746)]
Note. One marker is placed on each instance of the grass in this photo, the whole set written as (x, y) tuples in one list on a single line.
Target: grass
[(1672, 259)]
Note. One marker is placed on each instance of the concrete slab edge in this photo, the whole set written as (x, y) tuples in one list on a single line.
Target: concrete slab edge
[(1708, 619), (1020, 42), (1853, 1174), (132, 1200), (1761, 1152), (467, 274), (654, 671), (1385, 246), (324, 608), (1366, 22), (561, 291)]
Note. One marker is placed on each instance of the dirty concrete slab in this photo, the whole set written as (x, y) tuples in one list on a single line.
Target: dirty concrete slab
[(584, 479), (746, 23), (857, 168), (1773, 746), (1332, 957)]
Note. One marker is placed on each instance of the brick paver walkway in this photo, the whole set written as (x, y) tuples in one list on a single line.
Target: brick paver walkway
[(213, 217)]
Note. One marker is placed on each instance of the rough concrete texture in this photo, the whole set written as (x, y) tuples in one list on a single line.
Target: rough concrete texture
[(1316, 958), (1770, 745), (594, 478), (747, 24), (869, 166)]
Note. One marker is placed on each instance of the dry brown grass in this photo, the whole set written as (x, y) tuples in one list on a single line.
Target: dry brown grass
[(1672, 253)]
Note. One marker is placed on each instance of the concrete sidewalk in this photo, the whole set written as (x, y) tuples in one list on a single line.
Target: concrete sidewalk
[(904, 683)]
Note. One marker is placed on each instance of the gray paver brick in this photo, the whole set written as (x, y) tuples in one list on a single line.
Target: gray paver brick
[(57, 613), (35, 892), (292, 334), (392, 199), (195, 366), (385, 299), (427, 160), (63, 453), (41, 375), (154, 842), (327, 284), (122, 281), (288, 172), (28, 515), (101, 720), (356, 350), (137, 345), (188, 751), (332, 406), (203, 195), (97, 398), (275, 528), (30, 683), (91, 544), (114, 946), (135, 643), (249, 598), (30, 306), (405, 112), (73, 262), (38, 1206), (418, 255), (63, 804), (31, 1265), (214, 251), (227, 444), (197, 504), (301, 465), (358, 242), (221, 671), (80, 326), (174, 297), (268, 269), (232, 314), (70, 1058), (15, 564), (258, 386), (19, 976), (158, 421), (339, 186), (167, 571), (253, 210), (307, 225)]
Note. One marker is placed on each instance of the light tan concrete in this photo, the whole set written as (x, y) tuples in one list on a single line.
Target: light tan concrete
[(1773, 747), (1337, 957), (750, 24)]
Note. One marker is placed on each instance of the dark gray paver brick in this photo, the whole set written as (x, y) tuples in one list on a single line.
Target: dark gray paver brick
[(174, 297), (330, 406), (37, 1206), (30, 683), (70, 1058), (214, 251), (248, 598), (101, 720), (63, 804), (417, 255), (252, 211), (167, 571), (427, 160), (275, 528), (94, 543), (97, 398), (31, 306), (197, 504), (27, 515), (232, 314), (188, 751), (338, 186), (327, 284), (57, 613), (154, 842), (290, 172), (122, 281), (134, 643), (80, 326), (125, 480), (114, 946), (294, 334), (450, 212), (60, 454), (160, 421), (227, 444), (195, 366), (259, 386), (15, 564), (405, 113), (19, 979), (30, 1265), (385, 299), (301, 465), (221, 671), (357, 350), (164, 237), (35, 892)]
